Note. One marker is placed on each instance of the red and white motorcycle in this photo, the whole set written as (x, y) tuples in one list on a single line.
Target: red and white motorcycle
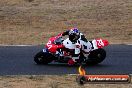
[(58, 50)]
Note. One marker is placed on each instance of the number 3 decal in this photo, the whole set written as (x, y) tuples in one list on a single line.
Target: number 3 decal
[(49, 45)]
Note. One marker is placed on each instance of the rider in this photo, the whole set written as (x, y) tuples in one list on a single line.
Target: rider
[(77, 41), (77, 37)]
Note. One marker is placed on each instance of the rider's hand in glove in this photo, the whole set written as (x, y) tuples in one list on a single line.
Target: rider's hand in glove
[(65, 33)]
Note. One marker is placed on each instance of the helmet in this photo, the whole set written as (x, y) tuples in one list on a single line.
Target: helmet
[(74, 31), (74, 34)]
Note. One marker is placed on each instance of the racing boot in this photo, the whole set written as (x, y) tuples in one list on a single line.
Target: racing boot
[(73, 60)]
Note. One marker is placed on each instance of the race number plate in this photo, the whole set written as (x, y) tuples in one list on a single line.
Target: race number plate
[(45, 50)]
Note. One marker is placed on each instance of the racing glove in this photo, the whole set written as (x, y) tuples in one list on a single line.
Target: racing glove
[(65, 33)]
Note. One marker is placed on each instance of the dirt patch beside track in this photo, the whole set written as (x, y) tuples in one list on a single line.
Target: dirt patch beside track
[(48, 81), (34, 21)]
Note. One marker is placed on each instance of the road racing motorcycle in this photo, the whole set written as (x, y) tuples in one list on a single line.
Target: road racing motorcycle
[(56, 50)]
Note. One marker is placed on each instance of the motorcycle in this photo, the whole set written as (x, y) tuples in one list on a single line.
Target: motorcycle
[(57, 50)]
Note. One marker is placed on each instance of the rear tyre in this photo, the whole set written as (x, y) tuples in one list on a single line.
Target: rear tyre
[(43, 58), (96, 56)]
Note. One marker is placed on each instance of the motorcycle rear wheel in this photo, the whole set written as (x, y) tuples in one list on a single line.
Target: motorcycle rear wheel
[(96, 56)]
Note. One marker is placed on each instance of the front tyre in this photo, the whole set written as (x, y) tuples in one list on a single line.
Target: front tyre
[(96, 56), (43, 58)]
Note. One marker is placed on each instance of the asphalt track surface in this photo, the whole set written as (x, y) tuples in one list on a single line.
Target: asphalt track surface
[(18, 60)]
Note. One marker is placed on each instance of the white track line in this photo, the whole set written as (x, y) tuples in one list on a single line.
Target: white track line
[(17, 45), (128, 44), (37, 45)]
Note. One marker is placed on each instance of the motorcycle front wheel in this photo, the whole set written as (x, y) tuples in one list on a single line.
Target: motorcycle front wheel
[(43, 58)]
